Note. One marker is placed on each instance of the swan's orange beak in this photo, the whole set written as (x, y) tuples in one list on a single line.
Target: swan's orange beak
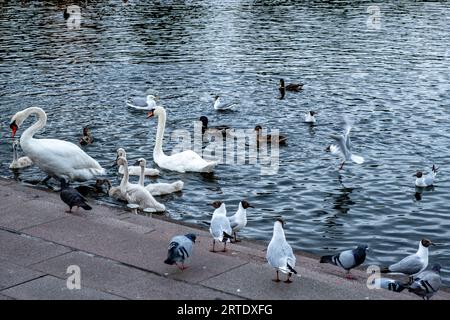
[(13, 127), (150, 114)]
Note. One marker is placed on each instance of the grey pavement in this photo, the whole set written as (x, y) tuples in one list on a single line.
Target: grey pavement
[(120, 256)]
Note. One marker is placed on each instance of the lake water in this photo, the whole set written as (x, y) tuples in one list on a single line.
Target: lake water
[(390, 75)]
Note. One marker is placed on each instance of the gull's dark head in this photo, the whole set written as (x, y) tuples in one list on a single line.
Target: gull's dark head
[(312, 113), (246, 205), (426, 243), (418, 174), (216, 204), (281, 220)]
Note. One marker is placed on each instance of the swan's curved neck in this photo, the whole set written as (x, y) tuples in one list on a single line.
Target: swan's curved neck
[(39, 124), (124, 181), (157, 151), (141, 176)]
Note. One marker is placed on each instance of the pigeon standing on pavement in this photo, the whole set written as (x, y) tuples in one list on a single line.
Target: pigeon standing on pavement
[(279, 253), (180, 248), (427, 283), (220, 227), (72, 197), (413, 264), (347, 259)]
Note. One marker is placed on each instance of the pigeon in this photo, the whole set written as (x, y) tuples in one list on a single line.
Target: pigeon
[(180, 248), (427, 180), (343, 147), (279, 253), (139, 103), (72, 197), (413, 264), (427, 283), (220, 227), (347, 259), (389, 284), (238, 221), (221, 106), (309, 117)]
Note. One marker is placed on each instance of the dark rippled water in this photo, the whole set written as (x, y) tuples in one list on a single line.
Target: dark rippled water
[(392, 81)]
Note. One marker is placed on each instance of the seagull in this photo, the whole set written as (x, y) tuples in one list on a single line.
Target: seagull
[(221, 106), (238, 221), (180, 248), (72, 197), (279, 253), (343, 147), (309, 117), (413, 264), (347, 259), (143, 104), (426, 181), (220, 227), (427, 283)]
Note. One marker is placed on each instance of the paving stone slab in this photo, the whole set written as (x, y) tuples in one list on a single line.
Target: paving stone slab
[(25, 250), (12, 274), (112, 277), (51, 288)]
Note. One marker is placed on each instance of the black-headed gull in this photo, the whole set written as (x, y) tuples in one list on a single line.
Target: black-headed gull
[(343, 146), (426, 180), (220, 227), (238, 221)]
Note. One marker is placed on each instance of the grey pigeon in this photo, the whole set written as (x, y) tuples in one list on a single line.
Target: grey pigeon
[(390, 284), (72, 197), (413, 264), (347, 259), (180, 248), (427, 283)]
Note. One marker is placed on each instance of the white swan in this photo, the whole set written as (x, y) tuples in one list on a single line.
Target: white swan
[(158, 189), (135, 193), (135, 170), (19, 163), (57, 158), (143, 104), (186, 161)]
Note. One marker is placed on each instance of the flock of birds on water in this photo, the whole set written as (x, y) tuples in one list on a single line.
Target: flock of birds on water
[(66, 162)]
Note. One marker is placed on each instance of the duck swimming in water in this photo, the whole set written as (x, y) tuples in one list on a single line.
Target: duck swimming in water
[(282, 140), (87, 137), (205, 128)]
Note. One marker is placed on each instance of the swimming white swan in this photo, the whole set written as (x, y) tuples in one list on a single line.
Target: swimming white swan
[(143, 104), (19, 163), (181, 162), (57, 158), (135, 193), (158, 189), (135, 170)]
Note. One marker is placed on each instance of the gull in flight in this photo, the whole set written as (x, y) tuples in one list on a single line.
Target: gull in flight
[(343, 146)]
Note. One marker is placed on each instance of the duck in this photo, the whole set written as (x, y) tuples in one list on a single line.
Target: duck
[(205, 128), (135, 193), (423, 181), (158, 189), (135, 170), (238, 221), (291, 86), (221, 106), (282, 140), (279, 253), (87, 137), (19, 163), (57, 158), (186, 161), (143, 104), (309, 117), (97, 188), (220, 227)]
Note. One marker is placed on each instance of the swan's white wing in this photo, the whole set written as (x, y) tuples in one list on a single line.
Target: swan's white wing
[(187, 161), (62, 159), (159, 189)]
